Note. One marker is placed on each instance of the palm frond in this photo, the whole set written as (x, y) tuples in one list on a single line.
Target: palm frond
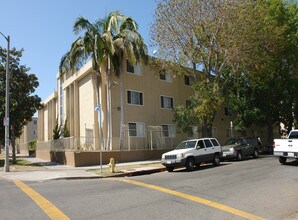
[(116, 64), (82, 24), (114, 21), (108, 41), (64, 65), (129, 24)]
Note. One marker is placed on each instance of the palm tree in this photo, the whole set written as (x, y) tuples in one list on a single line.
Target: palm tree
[(111, 28), (111, 39), (89, 45), (128, 44)]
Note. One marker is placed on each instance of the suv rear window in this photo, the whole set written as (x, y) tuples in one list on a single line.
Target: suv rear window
[(208, 143), (214, 142)]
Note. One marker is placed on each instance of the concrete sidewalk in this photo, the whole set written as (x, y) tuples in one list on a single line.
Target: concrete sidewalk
[(45, 170)]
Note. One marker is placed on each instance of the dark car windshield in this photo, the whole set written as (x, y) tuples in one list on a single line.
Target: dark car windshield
[(186, 144), (234, 141), (293, 135)]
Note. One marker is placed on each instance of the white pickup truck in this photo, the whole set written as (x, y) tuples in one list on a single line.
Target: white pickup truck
[(286, 148)]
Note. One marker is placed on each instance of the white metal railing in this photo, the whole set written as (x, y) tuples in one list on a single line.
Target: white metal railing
[(151, 142), (151, 139)]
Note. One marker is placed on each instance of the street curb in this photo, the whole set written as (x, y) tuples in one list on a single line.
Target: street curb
[(127, 174), (138, 173)]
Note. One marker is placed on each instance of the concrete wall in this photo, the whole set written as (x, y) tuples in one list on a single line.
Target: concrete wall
[(86, 105), (43, 154), (78, 159)]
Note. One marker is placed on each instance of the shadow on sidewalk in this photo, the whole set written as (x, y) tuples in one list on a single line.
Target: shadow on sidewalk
[(32, 161)]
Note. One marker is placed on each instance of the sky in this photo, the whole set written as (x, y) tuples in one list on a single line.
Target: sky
[(44, 30)]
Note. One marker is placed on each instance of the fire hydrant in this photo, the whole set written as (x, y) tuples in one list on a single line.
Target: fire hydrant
[(112, 165)]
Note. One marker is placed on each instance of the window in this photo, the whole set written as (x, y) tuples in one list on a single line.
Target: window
[(166, 77), (187, 103), (214, 142), (162, 76), (169, 131), (200, 144), (228, 111), (136, 69), (35, 122), (136, 129), (135, 98), (186, 80), (166, 102), (129, 68), (208, 143)]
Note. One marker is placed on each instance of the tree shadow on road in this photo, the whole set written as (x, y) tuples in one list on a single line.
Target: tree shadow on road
[(202, 167)]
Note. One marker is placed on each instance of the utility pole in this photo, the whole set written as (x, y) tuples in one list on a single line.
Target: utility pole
[(6, 119)]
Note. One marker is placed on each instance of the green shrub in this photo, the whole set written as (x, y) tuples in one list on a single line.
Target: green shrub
[(32, 145)]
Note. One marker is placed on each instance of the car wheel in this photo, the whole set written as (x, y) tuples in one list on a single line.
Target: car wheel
[(255, 154), (216, 160), (282, 160), (170, 169), (239, 155), (190, 164)]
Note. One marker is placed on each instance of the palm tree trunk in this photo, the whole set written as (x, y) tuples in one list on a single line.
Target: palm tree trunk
[(121, 108), (96, 85), (109, 127)]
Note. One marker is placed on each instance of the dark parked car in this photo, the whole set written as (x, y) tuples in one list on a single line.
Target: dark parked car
[(239, 148)]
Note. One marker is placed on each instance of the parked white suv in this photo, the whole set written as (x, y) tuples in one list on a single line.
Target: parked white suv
[(192, 153)]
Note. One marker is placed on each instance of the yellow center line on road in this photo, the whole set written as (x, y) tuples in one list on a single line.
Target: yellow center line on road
[(52, 211), (194, 198)]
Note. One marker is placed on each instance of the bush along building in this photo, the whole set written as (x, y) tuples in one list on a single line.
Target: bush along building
[(148, 118)]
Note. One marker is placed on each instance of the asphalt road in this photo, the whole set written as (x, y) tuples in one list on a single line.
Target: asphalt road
[(252, 189)]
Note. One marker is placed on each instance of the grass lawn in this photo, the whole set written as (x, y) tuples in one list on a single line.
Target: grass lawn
[(22, 164)]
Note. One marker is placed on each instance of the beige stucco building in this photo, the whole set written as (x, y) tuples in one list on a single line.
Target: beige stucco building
[(149, 99), (29, 133)]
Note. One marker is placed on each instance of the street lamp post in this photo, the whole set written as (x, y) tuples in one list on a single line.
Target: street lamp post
[(6, 119)]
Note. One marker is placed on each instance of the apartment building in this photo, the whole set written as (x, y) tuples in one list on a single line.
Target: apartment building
[(149, 98), (30, 133)]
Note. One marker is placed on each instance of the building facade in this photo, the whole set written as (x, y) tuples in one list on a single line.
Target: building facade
[(30, 133), (149, 99)]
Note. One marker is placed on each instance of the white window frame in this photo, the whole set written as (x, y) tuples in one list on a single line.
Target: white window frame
[(171, 131), (191, 80), (135, 91), (169, 97), (140, 129), (136, 69), (168, 77)]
